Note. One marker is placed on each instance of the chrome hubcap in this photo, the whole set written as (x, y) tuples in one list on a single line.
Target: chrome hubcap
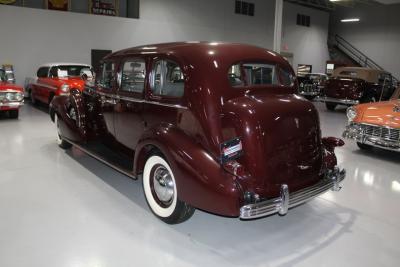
[(163, 185)]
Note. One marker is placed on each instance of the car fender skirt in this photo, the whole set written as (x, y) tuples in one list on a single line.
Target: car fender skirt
[(201, 181)]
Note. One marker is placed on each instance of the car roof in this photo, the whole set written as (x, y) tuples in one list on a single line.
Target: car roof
[(63, 64), (201, 53), (367, 74)]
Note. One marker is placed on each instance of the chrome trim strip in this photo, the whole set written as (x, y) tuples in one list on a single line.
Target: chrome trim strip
[(99, 158), (337, 100), (136, 100), (47, 86), (285, 201)]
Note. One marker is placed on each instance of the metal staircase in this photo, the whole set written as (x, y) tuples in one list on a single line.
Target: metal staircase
[(356, 55)]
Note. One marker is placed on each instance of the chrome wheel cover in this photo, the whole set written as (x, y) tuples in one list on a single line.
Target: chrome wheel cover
[(163, 185)]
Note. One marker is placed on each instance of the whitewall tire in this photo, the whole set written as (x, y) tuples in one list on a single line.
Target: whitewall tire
[(60, 141), (159, 186)]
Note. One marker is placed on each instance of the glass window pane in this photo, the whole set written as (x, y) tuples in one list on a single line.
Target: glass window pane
[(252, 74), (168, 79), (133, 76)]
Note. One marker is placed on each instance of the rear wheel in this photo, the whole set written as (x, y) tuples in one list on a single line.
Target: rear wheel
[(161, 193), (13, 114), (60, 141), (330, 106), (364, 146)]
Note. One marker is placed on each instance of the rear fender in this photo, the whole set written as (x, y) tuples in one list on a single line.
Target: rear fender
[(201, 181)]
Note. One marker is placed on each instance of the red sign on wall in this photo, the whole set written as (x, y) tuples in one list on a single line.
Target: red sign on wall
[(104, 7), (62, 5)]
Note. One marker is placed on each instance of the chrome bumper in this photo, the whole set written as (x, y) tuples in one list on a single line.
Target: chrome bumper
[(337, 100), (308, 93), (288, 200), (11, 104), (357, 132)]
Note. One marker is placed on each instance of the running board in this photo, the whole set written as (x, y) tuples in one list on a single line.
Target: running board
[(104, 160)]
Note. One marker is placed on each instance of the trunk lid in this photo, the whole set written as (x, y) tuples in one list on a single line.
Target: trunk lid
[(281, 140)]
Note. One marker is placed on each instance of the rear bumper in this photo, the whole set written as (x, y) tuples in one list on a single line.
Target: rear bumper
[(377, 136), (10, 105), (288, 200), (337, 100)]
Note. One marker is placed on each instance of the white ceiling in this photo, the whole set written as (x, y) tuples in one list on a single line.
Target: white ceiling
[(387, 2)]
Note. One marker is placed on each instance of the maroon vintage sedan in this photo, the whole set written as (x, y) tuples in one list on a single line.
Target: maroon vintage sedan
[(212, 126)]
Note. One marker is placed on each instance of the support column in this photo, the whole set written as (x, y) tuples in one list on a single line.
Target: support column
[(278, 25)]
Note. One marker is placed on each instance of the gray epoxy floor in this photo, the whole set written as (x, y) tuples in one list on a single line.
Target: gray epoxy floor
[(66, 209)]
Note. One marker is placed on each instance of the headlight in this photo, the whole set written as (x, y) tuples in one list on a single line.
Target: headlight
[(19, 96), (351, 113), (65, 88)]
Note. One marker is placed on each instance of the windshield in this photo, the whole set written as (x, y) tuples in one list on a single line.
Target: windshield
[(3, 77), (71, 71), (247, 74)]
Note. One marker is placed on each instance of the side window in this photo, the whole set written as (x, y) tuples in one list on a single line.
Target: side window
[(286, 78), (107, 75), (42, 72), (133, 75), (53, 72), (167, 79)]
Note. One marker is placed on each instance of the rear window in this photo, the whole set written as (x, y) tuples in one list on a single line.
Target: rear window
[(248, 74)]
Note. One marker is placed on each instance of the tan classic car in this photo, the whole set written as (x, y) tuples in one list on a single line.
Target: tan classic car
[(375, 124)]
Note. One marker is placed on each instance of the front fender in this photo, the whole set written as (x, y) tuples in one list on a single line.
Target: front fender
[(201, 181), (69, 128)]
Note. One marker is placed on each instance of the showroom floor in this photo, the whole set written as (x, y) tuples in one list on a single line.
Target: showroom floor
[(66, 209)]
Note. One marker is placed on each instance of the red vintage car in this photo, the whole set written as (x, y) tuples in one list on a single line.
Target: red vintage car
[(55, 79), (212, 126), (11, 96), (354, 85)]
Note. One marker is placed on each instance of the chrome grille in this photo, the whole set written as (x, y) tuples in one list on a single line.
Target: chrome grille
[(310, 88), (390, 134)]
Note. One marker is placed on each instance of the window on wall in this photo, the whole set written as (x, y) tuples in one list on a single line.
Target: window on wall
[(244, 8), (303, 20)]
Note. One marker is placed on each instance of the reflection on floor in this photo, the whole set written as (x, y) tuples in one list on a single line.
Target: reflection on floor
[(66, 209)]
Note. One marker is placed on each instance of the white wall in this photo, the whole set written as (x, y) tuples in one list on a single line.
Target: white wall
[(308, 44), (30, 37), (377, 34)]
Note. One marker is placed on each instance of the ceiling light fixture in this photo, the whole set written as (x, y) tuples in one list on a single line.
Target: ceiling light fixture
[(350, 20)]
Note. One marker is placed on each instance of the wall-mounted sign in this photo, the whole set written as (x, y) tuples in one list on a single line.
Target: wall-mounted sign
[(7, 2), (104, 7), (62, 5)]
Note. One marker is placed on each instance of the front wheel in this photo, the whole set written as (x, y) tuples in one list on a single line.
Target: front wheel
[(161, 193), (60, 141), (13, 114), (330, 106)]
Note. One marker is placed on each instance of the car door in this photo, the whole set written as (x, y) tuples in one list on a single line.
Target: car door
[(39, 89), (165, 98), (106, 86), (128, 120)]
